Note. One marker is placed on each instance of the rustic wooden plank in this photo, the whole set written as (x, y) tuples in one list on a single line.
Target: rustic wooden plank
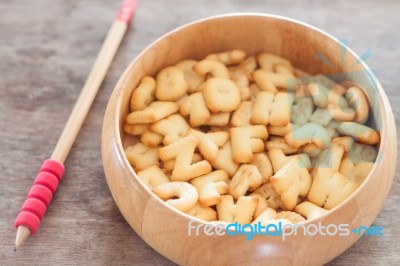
[(47, 48)]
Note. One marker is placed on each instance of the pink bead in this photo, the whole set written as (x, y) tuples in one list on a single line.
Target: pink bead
[(48, 180), (41, 193), (34, 206), (29, 220), (54, 167)]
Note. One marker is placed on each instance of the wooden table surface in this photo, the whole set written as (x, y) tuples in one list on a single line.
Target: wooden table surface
[(46, 50)]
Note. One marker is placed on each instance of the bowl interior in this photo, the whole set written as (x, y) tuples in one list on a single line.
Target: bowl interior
[(309, 50)]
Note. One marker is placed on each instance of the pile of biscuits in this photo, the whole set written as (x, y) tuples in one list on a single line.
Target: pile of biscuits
[(244, 139)]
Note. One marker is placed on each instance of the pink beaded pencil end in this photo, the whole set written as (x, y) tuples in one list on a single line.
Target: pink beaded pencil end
[(51, 171)]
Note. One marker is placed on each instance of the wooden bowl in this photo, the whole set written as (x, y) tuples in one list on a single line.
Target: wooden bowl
[(166, 229)]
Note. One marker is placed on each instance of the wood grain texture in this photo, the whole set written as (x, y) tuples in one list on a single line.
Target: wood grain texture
[(47, 49)]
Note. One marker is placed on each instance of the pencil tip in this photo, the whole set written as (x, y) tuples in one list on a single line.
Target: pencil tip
[(15, 248)]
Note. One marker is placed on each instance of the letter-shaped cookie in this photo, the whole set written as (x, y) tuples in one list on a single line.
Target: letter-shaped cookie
[(247, 177), (246, 140), (171, 84), (204, 213), (143, 95), (192, 78), (152, 113), (272, 109), (153, 176), (214, 68), (241, 117), (241, 212), (293, 180), (183, 151), (210, 187), (309, 133), (329, 188), (195, 106), (186, 193), (224, 160), (268, 62), (262, 162), (173, 128), (310, 210), (140, 156), (358, 101), (221, 95), (359, 132), (209, 142), (267, 191), (229, 57)]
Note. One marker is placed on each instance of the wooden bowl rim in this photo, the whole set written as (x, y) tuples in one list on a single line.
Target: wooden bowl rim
[(118, 105)]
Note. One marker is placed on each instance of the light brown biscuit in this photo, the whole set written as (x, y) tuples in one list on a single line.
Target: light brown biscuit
[(209, 143), (301, 111), (195, 107), (281, 131), (278, 159), (214, 68), (359, 132), (346, 142), (153, 176), (265, 217), (268, 192), (224, 160), (358, 101), (169, 164), (329, 188), (141, 157), (221, 95), (242, 82), (241, 117), (135, 129), (151, 139), (262, 205), (340, 114), (268, 61), (210, 187), (291, 216), (321, 116), (362, 152), (246, 140), (241, 212), (262, 162), (244, 68), (173, 128), (263, 81), (276, 142), (280, 109), (254, 90), (186, 194), (204, 213), (262, 107), (330, 158), (229, 57), (247, 177), (293, 180), (310, 210), (356, 172), (183, 151), (309, 133), (220, 119), (171, 84), (143, 95), (152, 113), (192, 78)]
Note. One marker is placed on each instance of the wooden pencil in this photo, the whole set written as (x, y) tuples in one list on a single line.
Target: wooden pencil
[(51, 171)]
